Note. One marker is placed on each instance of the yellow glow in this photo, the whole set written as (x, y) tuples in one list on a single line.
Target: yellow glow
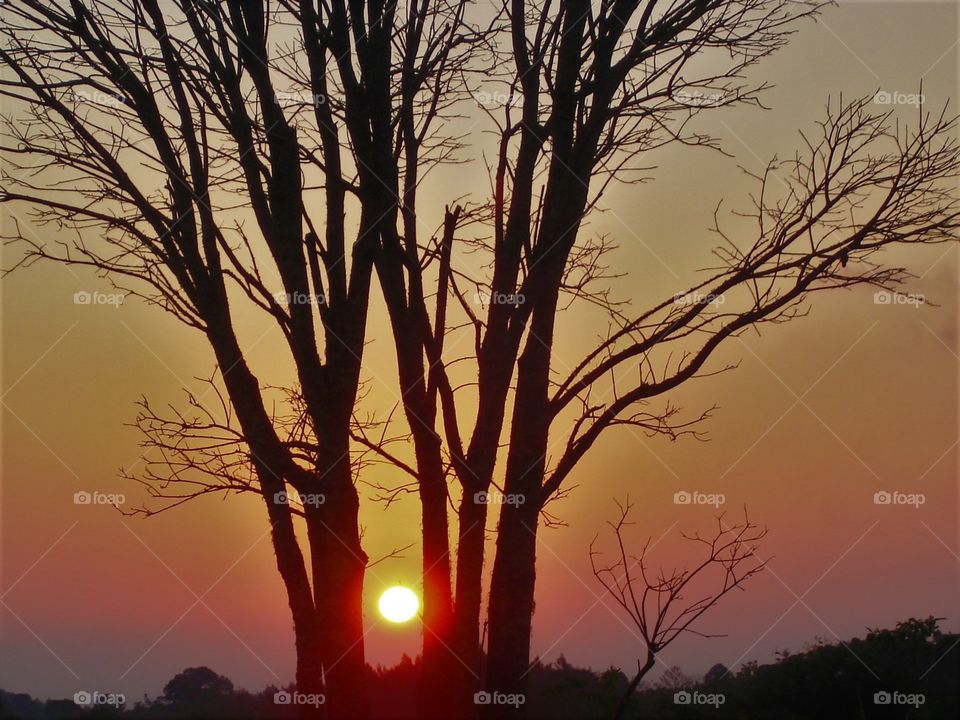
[(398, 604)]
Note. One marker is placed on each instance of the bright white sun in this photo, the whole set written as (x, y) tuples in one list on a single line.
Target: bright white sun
[(398, 604)]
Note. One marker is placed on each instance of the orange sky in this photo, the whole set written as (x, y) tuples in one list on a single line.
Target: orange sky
[(821, 414)]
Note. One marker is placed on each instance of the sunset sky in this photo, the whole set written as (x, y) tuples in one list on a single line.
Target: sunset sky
[(821, 414)]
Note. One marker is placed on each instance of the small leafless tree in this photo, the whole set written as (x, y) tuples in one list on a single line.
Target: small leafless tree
[(663, 605)]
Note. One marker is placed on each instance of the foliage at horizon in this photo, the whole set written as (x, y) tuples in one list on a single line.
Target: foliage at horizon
[(828, 679)]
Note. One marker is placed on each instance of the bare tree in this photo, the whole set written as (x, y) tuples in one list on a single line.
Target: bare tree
[(204, 156), (191, 175), (861, 186), (664, 605), (589, 90)]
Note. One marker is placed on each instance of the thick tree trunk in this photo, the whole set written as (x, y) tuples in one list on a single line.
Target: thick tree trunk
[(514, 568), (436, 693), (465, 637), (511, 608), (271, 467), (309, 677), (290, 562), (339, 564)]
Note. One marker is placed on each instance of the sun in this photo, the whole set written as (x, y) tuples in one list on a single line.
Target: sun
[(398, 604)]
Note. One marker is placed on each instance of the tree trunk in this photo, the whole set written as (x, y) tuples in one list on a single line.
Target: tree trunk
[(309, 676), (338, 569), (339, 563), (436, 693), (269, 464), (632, 687), (439, 685), (511, 607), (290, 562), (472, 517), (514, 567)]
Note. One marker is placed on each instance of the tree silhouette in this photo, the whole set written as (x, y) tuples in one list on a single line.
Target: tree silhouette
[(663, 606), (587, 91), (197, 685), (208, 156), (230, 151), (822, 681)]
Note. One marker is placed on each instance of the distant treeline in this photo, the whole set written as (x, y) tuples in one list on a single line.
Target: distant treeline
[(910, 671)]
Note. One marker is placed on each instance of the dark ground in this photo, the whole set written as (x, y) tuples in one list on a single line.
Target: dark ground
[(828, 680)]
